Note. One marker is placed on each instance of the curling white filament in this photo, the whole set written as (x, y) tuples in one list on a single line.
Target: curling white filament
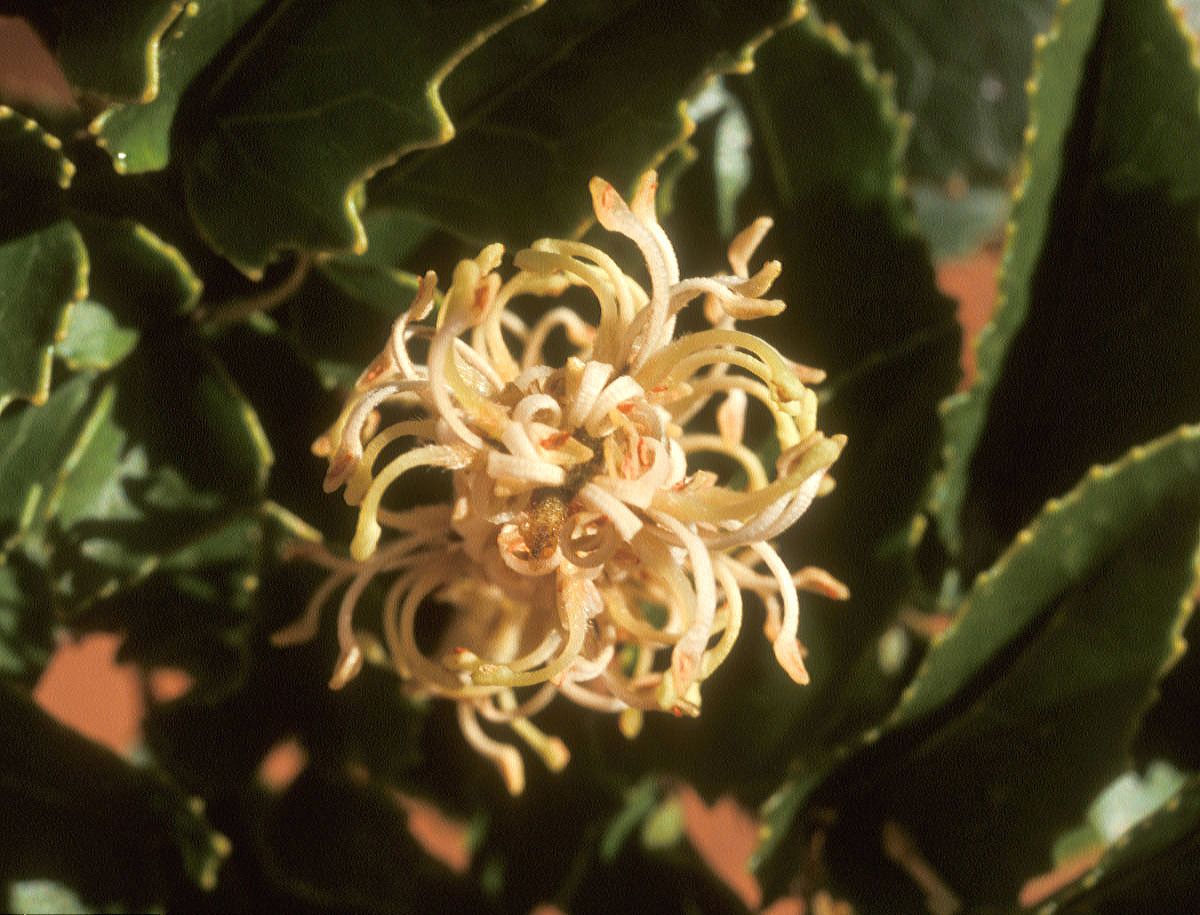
[(580, 555)]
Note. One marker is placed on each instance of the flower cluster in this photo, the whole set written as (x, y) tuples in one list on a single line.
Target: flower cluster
[(582, 554)]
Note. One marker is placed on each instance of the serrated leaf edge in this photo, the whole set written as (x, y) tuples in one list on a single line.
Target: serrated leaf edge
[(883, 86), (1054, 506), (174, 12), (739, 62), (946, 506), (66, 167), (95, 128), (784, 804), (66, 174), (445, 131)]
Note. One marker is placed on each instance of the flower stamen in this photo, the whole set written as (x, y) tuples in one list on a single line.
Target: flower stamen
[(583, 552)]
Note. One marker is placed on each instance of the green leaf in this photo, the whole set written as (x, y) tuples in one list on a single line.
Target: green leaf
[(172, 449), (34, 443), (34, 166), (285, 136), (376, 277), (1148, 868), (44, 274), (112, 50), (1071, 539), (960, 70), (341, 316), (134, 277), (346, 307), (188, 607), (26, 621), (135, 273), (1100, 277), (862, 304), (138, 136), (105, 480), (43, 267), (95, 339), (1058, 76), (1027, 705), (113, 832), (578, 89), (294, 409), (119, 492)]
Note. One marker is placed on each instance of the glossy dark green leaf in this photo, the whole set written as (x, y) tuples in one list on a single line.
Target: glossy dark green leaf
[(394, 237), (1096, 343), (1027, 705), (34, 167), (580, 88), (138, 136), (189, 607), (135, 277), (1148, 868), (342, 315), (135, 273), (1060, 71), (43, 267), (378, 276), (114, 832), (960, 71), (44, 273), (341, 318), (1068, 542), (34, 444), (283, 138), (111, 50)]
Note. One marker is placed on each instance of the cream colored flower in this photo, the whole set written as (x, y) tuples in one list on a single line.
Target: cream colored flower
[(583, 555)]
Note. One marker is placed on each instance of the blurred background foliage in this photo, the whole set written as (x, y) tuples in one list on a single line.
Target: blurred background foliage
[(206, 231)]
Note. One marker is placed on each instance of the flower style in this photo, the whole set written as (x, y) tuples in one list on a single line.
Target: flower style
[(580, 555)]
